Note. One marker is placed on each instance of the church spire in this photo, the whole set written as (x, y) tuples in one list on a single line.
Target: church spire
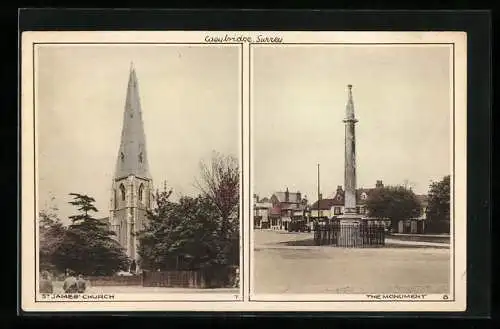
[(132, 155)]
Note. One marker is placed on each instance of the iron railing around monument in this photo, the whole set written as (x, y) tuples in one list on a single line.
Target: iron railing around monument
[(366, 234)]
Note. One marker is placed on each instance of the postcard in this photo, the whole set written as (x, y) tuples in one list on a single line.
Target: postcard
[(243, 171)]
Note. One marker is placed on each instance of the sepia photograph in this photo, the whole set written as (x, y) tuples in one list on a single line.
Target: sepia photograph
[(265, 171), (352, 169), (138, 187)]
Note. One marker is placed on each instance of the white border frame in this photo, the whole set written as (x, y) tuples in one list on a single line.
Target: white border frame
[(317, 302)]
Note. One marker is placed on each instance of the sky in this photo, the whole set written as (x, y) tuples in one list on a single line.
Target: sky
[(401, 97), (191, 102)]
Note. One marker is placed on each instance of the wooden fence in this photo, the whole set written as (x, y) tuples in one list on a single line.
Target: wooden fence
[(135, 280), (223, 277), (350, 235), (180, 279)]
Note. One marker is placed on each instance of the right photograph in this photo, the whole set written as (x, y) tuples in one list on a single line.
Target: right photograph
[(351, 168)]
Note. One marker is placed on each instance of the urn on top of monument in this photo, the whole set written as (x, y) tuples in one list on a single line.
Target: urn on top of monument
[(350, 156), (349, 111)]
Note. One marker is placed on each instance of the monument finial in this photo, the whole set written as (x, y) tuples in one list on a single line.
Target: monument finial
[(350, 105)]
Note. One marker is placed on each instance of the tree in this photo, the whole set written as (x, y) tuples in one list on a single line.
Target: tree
[(88, 246), (220, 183), (179, 235), (154, 237), (394, 203), (196, 232), (438, 207), (85, 204), (51, 235)]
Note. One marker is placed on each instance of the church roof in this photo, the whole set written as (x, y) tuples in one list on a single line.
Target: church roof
[(132, 155)]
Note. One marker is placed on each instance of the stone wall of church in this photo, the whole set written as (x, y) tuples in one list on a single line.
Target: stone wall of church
[(130, 199), (141, 219), (119, 225), (121, 191)]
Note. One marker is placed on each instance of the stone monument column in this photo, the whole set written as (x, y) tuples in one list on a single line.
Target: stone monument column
[(350, 220), (350, 157)]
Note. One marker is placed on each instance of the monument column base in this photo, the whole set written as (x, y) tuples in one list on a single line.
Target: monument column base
[(350, 230)]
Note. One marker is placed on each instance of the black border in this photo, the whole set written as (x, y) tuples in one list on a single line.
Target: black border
[(240, 294), (452, 250), (477, 25)]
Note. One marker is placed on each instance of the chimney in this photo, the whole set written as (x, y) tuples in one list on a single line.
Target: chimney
[(339, 188), (298, 196), (256, 196), (321, 196), (287, 195), (379, 184)]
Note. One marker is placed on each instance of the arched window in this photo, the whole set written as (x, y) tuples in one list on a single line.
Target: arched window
[(140, 157), (122, 156), (122, 190), (141, 192)]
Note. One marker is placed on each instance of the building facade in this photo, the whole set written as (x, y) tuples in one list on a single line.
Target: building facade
[(332, 207), (287, 206), (132, 185), (262, 209), (335, 206)]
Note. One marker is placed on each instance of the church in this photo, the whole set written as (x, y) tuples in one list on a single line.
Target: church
[(132, 184)]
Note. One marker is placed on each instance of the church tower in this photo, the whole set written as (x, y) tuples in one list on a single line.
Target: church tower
[(132, 186)]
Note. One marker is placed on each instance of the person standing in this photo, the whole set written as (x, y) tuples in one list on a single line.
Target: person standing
[(70, 285), (45, 284), (81, 284)]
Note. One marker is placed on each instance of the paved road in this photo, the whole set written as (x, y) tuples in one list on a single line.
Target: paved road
[(417, 243), (284, 267)]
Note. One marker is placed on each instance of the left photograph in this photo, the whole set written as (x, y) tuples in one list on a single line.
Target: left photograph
[(137, 169)]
